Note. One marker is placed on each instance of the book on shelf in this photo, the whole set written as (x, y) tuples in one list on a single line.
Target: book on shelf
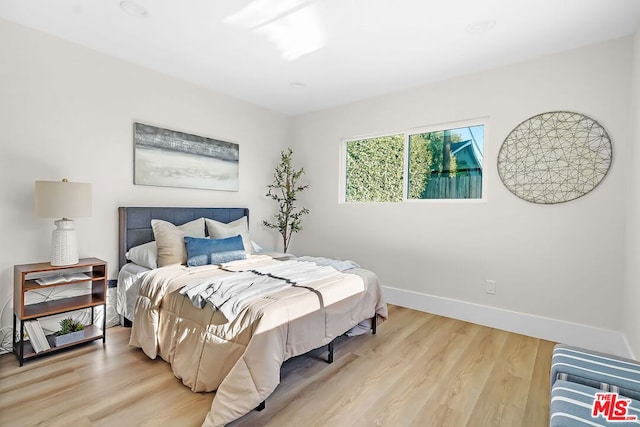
[(62, 278), (37, 336), (32, 336)]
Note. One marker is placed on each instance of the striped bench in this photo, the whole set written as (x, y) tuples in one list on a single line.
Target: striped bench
[(597, 370), (577, 375), (572, 406)]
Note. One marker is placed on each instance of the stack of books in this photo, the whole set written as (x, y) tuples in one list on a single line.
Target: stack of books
[(36, 336)]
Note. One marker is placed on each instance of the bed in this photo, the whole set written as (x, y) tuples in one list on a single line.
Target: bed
[(236, 349)]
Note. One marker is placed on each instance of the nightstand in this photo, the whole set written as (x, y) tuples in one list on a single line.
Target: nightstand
[(31, 277)]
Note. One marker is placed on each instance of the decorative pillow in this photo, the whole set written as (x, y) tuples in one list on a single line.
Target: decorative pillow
[(145, 255), (170, 239), (214, 251), (220, 230)]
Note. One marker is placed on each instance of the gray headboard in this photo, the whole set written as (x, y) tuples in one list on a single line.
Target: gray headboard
[(135, 222)]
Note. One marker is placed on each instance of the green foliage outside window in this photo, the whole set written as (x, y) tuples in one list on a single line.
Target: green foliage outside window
[(426, 160), (374, 169)]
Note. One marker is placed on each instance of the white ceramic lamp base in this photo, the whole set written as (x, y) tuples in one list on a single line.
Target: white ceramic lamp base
[(64, 247)]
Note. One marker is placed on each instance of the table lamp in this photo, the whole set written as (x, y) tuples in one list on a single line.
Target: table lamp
[(63, 199)]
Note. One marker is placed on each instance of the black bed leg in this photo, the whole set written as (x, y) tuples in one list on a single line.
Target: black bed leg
[(261, 406), (125, 322), (374, 324), (330, 356)]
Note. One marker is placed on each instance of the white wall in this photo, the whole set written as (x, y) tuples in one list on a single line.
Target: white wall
[(632, 270), (66, 111), (553, 264)]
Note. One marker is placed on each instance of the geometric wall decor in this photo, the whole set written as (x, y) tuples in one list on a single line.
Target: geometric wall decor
[(554, 157)]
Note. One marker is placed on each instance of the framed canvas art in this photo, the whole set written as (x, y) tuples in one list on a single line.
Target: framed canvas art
[(169, 158)]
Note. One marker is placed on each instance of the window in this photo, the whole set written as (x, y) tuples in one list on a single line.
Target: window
[(446, 164), (374, 169), (438, 163)]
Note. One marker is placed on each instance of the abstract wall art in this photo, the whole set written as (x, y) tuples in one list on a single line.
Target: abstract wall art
[(169, 158)]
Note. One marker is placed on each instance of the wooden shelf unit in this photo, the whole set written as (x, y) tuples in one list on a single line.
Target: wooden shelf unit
[(24, 278)]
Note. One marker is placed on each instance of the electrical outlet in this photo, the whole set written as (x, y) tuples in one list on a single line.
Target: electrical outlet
[(490, 287)]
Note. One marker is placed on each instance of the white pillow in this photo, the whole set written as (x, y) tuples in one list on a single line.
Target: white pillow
[(170, 239), (145, 255), (220, 230)]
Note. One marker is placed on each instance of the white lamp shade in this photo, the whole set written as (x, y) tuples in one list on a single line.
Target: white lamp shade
[(61, 199)]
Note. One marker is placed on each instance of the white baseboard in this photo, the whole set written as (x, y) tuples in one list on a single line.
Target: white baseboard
[(560, 331)]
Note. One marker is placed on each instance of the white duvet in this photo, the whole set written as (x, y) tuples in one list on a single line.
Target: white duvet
[(241, 358)]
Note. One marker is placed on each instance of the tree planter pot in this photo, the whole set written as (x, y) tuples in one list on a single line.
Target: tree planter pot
[(68, 338)]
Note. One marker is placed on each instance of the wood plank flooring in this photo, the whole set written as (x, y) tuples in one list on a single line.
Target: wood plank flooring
[(419, 370)]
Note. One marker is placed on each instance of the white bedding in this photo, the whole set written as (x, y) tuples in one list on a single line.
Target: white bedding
[(241, 359), (232, 294), (129, 279)]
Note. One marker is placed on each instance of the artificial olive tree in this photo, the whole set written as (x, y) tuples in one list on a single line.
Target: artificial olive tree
[(284, 191)]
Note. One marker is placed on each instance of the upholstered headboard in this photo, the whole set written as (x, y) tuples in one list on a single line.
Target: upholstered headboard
[(135, 222)]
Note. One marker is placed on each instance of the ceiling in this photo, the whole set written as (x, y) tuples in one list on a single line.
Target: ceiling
[(298, 56)]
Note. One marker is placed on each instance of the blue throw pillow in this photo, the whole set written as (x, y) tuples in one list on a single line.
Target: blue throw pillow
[(214, 251)]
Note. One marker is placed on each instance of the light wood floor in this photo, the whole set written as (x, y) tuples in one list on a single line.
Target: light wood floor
[(419, 370)]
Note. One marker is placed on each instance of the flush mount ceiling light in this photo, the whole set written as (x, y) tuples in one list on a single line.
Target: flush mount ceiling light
[(298, 85), (132, 8), (481, 27)]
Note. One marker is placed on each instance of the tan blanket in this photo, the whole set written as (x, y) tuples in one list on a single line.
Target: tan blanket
[(241, 359)]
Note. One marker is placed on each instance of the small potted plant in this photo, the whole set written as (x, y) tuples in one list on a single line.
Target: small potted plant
[(70, 331)]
